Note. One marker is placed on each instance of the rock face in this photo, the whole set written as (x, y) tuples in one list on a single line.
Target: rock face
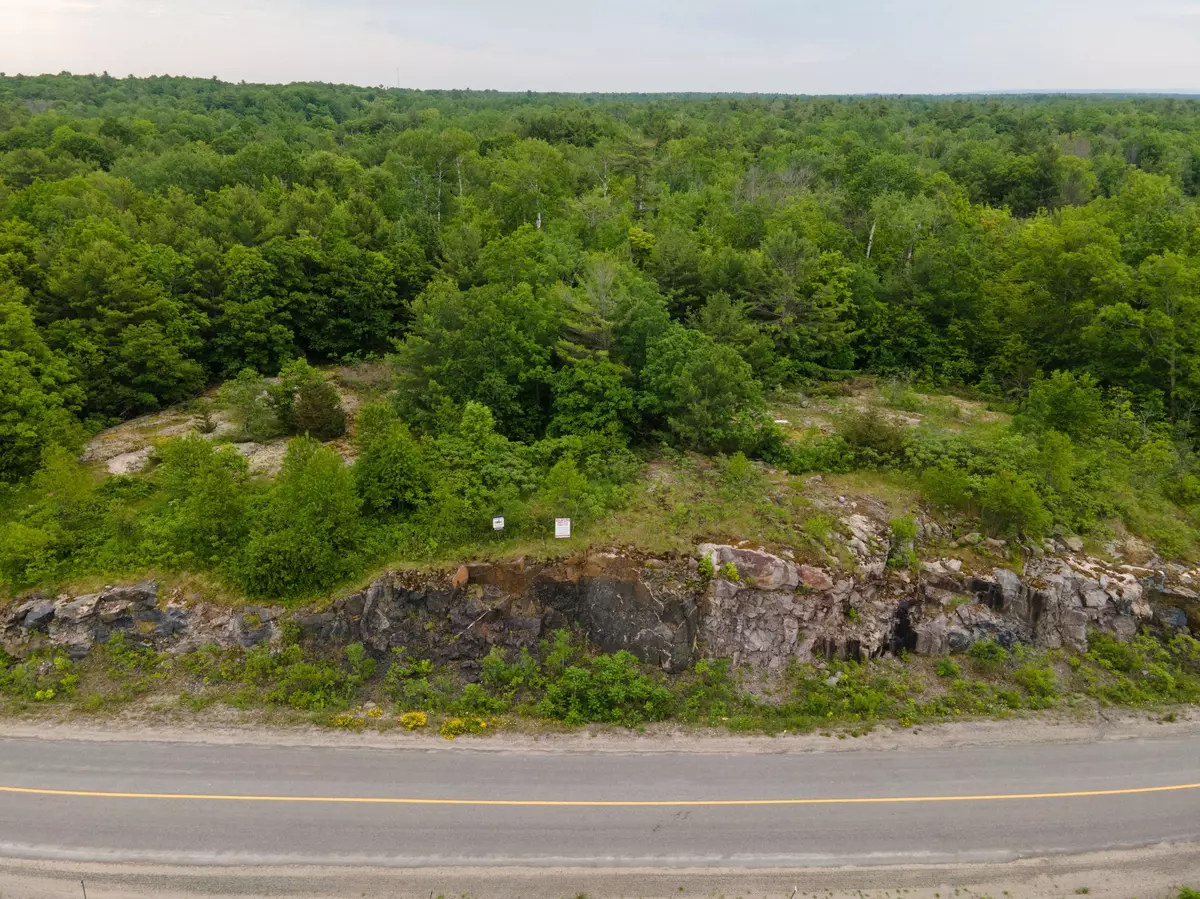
[(661, 610)]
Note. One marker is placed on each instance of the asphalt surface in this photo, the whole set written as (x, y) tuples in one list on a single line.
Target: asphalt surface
[(270, 830)]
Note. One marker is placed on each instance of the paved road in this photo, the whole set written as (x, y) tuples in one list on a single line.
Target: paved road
[(270, 830)]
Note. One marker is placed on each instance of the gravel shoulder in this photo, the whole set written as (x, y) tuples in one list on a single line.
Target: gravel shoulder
[(1154, 873), (1049, 728)]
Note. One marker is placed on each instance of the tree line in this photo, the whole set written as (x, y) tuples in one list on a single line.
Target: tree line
[(608, 271)]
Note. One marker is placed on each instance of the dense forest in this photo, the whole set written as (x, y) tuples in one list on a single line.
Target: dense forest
[(563, 285)]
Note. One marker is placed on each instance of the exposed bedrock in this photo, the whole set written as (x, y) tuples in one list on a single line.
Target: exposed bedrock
[(759, 609)]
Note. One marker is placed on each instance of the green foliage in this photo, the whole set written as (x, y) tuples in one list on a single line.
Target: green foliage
[(304, 534), (948, 668), (561, 283), (306, 403), (874, 439), (988, 655), (39, 393), (1010, 505), (704, 393), (903, 538), (207, 516), (592, 396), (391, 472), (608, 689), (1068, 403), (249, 401), (706, 569)]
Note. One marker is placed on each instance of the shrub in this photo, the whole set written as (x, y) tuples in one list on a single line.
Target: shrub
[(1010, 506), (902, 553), (208, 491), (474, 700), (826, 454), (457, 727), (948, 668), (497, 674), (738, 473), (250, 405), (1039, 681), (874, 439), (391, 472), (610, 689), (705, 568), (1066, 402), (729, 572), (317, 411), (592, 396), (950, 487), (414, 720), (988, 655), (307, 531), (702, 391), (567, 493)]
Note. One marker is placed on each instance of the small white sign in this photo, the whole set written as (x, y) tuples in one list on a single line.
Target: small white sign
[(562, 528), (498, 523)]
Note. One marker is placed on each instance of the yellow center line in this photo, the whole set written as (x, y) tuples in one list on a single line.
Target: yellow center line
[(591, 803)]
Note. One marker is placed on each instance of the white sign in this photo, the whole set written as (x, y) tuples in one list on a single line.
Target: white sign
[(498, 523), (562, 528)]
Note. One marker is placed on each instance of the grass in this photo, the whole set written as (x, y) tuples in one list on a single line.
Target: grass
[(564, 684)]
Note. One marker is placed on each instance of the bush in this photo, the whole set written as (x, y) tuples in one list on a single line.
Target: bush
[(902, 553), (1040, 682), (306, 403), (414, 720), (592, 396), (875, 440), (457, 727), (825, 454), (306, 533), (251, 407), (317, 411), (1010, 505), (988, 655), (951, 488), (1066, 402), (207, 490), (391, 472), (703, 392), (609, 689), (948, 668)]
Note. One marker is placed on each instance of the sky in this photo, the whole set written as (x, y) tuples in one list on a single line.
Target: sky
[(802, 46)]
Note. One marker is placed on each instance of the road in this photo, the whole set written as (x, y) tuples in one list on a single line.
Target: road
[(185, 804)]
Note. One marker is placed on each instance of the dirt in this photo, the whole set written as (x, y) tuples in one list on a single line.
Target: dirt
[(1154, 873), (223, 725)]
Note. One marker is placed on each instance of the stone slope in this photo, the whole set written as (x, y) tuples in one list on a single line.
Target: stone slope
[(661, 609)]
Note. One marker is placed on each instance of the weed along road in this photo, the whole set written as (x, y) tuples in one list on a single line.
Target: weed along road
[(192, 803)]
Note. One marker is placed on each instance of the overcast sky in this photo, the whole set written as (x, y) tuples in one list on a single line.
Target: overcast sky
[(802, 46)]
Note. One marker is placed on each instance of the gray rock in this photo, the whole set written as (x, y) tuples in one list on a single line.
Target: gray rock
[(1173, 621), (39, 615), (769, 572), (110, 610), (1074, 543), (77, 609)]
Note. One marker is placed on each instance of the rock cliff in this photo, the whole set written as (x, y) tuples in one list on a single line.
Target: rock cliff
[(759, 609)]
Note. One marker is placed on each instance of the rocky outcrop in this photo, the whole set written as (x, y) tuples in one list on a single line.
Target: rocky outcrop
[(760, 609)]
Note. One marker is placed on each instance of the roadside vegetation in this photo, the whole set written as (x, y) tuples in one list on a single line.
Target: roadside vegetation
[(561, 297), (566, 685)]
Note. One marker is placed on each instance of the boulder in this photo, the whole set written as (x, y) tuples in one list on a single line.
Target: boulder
[(768, 572), (815, 578), (68, 609), (39, 615)]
